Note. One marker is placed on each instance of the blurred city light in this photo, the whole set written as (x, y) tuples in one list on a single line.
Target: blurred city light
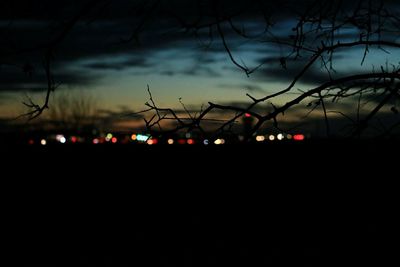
[(260, 138), (152, 141), (31, 142), (247, 115), (190, 142), (289, 136), (206, 142), (280, 137), (272, 137), (134, 137), (219, 141), (74, 139), (61, 138), (109, 137), (182, 141), (299, 137), (171, 141), (43, 142), (114, 140), (142, 138), (96, 141)]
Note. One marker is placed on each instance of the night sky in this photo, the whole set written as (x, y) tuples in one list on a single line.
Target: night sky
[(100, 54)]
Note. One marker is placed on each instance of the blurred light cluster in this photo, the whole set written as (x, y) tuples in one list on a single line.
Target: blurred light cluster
[(219, 142), (279, 137), (61, 139), (146, 139)]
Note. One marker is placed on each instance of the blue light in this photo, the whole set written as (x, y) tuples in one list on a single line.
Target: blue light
[(142, 138)]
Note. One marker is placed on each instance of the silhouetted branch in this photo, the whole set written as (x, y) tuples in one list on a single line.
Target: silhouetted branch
[(49, 48), (364, 123), (37, 110), (328, 129), (228, 50), (318, 54), (140, 26)]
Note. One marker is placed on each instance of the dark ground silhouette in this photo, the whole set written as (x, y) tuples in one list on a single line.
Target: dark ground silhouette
[(195, 206)]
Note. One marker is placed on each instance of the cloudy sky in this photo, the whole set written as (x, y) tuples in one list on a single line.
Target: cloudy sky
[(116, 48)]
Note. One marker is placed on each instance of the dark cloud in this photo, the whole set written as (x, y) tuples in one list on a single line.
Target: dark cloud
[(262, 108), (274, 71), (96, 41), (122, 64), (98, 46), (201, 71), (168, 73), (193, 69), (244, 87), (312, 77), (123, 114), (15, 80)]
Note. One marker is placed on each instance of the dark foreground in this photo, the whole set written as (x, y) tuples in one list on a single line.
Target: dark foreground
[(310, 204)]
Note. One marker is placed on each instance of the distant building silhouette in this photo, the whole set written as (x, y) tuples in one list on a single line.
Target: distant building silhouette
[(248, 122)]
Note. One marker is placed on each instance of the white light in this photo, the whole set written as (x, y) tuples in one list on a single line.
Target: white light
[(260, 138), (61, 138), (171, 141), (289, 136), (188, 135), (281, 137), (272, 137), (43, 142), (218, 142), (206, 142)]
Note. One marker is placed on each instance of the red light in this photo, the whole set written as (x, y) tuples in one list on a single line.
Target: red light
[(114, 140), (96, 141), (74, 139), (182, 141), (155, 141), (190, 142), (247, 115), (299, 137), (31, 142)]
